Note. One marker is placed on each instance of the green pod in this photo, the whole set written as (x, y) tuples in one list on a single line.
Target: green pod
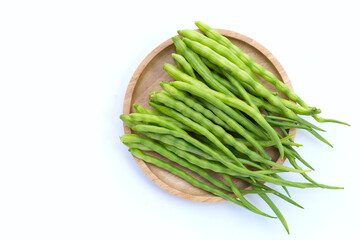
[(194, 60), (187, 117), (239, 129), (220, 49), (245, 172), (236, 103), (158, 120), (184, 175), (185, 146), (241, 75), (255, 67), (267, 189), (184, 64), (201, 87), (237, 73), (218, 118), (247, 204), (261, 71), (259, 102), (213, 166), (296, 166), (180, 144), (141, 109), (133, 138), (191, 102), (218, 131), (138, 146)]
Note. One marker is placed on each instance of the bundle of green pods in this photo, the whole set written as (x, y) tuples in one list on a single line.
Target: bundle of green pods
[(218, 116)]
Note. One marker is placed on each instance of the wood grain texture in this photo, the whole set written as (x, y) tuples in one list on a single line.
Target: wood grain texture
[(145, 80)]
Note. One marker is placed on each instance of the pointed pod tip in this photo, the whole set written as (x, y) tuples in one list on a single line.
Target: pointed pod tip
[(165, 66), (281, 151), (122, 116), (175, 38)]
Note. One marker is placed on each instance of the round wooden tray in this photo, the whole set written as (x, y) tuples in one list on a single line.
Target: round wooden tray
[(146, 79)]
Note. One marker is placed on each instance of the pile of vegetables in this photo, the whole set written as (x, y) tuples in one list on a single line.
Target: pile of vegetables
[(217, 115)]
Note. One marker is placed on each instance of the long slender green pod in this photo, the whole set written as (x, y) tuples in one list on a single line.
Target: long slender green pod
[(268, 143), (258, 69), (197, 122), (141, 109), (210, 165), (208, 95), (324, 120), (219, 48), (241, 75), (213, 166), (236, 191), (239, 129), (254, 66), (295, 165), (246, 191), (194, 60), (158, 120), (198, 128), (226, 83), (183, 175), (275, 209), (244, 171), (127, 120), (180, 144), (191, 102), (138, 146), (235, 71), (285, 125), (259, 102), (271, 190), (185, 146), (184, 64), (204, 123), (240, 88), (291, 152), (236, 103), (217, 70), (272, 109), (200, 86), (242, 158), (228, 124), (133, 138)]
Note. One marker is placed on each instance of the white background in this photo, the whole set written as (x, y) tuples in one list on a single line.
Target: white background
[(64, 69)]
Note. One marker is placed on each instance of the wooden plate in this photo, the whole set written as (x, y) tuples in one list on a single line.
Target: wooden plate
[(146, 79)]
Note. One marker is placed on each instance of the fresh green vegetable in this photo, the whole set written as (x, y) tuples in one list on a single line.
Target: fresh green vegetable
[(199, 66), (183, 175), (218, 119)]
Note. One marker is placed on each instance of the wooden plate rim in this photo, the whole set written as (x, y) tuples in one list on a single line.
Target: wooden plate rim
[(131, 87)]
